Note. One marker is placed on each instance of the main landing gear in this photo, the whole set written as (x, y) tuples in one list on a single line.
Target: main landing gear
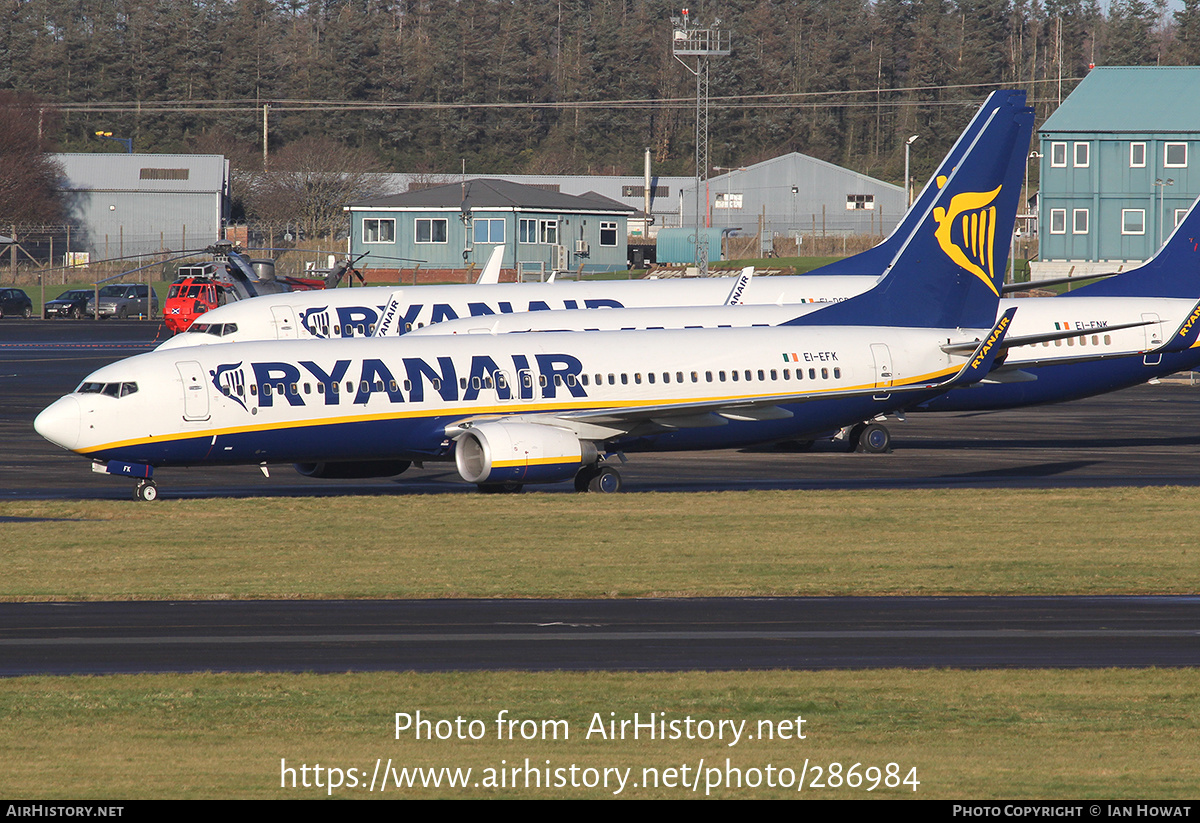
[(869, 438), (598, 478)]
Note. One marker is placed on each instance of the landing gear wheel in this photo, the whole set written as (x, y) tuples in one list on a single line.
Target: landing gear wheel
[(874, 439), (854, 437), (585, 476), (145, 490), (606, 480)]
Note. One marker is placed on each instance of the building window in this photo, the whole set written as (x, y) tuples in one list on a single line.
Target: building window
[(379, 231), (608, 234), (1133, 221), (1079, 221), (1179, 215), (489, 230), (163, 174), (1137, 155), (1176, 156), (640, 191), (1058, 155), (527, 230), (431, 230), (538, 231), (858, 202), (1058, 221), (1082, 155)]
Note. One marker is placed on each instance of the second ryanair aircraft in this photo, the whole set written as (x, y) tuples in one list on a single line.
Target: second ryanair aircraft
[(516, 409)]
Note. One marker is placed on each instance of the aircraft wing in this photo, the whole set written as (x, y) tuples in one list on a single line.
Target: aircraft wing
[(491, 270)]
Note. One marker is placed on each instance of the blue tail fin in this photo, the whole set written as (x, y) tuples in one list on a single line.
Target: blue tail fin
[(874, 261), (949, 270), (1174, 270)]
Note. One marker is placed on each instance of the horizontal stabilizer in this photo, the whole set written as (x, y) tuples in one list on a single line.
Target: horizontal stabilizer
[(981, 362)]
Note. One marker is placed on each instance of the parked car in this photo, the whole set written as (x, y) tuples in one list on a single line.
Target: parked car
[(71, 303), (14, 302), (124, 300)]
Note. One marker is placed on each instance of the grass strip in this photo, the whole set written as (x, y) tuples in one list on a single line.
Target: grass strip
[(1108, 734), (760, 543)]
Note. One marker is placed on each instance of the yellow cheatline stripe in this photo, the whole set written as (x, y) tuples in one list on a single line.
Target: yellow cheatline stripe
[(528, 408), (537, 461)]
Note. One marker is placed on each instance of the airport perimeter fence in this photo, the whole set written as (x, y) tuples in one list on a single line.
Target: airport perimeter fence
[(56, 255)]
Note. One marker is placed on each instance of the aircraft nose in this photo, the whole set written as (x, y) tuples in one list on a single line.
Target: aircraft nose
[(59, 422)]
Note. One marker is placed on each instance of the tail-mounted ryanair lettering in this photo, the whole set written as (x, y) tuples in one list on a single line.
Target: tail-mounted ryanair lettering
[(970, 241)]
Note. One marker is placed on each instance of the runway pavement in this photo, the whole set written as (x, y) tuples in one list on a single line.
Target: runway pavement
[(616, 635)]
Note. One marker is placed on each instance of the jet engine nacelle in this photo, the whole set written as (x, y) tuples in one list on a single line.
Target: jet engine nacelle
[(520, 453), (353, 470)]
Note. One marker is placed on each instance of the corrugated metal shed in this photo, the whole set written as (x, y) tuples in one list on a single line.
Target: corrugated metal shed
[(140, 203), (798, 194)]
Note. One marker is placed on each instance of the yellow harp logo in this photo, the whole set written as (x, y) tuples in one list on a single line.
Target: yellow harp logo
[(967, 233)]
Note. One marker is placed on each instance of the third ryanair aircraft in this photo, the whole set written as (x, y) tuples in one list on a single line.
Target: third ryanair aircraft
[(523, 408)]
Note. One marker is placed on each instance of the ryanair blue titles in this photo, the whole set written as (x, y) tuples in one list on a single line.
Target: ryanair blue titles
[(341, 321), (412, 380)]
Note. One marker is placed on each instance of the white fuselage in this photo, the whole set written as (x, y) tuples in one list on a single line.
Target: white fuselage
[(1095, 318), (407, 397), (344, 313)]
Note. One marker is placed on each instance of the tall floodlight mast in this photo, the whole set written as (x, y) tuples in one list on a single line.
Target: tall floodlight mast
[(703, 43)]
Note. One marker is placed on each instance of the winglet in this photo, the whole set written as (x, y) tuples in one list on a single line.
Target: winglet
[(981, 362), (738, 292), (389, 321), (490, 275)]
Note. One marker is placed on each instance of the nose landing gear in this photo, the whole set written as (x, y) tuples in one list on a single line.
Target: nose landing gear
[(145, 490)]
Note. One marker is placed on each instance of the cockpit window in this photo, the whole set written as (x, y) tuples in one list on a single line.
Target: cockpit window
[(111, 389), (215, 329)]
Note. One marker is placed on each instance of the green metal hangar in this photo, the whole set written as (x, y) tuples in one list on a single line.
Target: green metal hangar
[(451, 226), (1118, 167)]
